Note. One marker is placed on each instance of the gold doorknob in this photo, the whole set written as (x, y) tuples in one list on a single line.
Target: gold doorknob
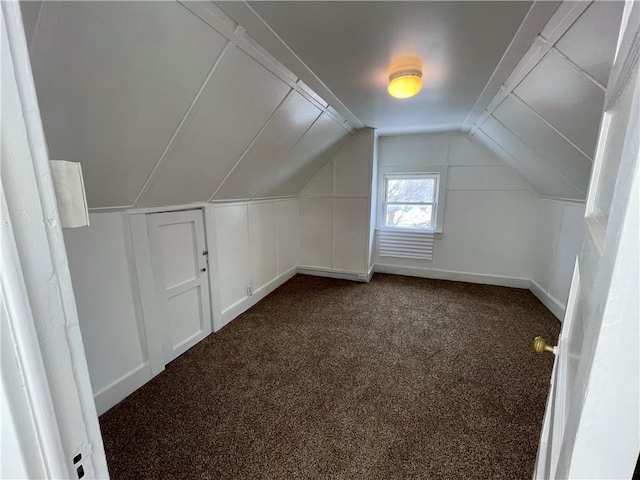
[(540, 345)]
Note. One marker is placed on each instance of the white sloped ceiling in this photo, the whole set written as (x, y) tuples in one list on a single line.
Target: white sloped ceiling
[(544, 120), (166, 103)]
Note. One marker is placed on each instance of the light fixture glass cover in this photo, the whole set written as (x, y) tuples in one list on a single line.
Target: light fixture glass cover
[(405, 83)]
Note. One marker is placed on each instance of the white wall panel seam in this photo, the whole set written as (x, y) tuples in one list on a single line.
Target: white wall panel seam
[(262, 30), (186, 119), (286, 99), (333, 230), (544, 45), (554, 50), (524, 104), (283, 73), (135, 286), (285, 157), (542, 159), (522, 165), (277, 239), (522, 35), (251, 242), (477, 142)]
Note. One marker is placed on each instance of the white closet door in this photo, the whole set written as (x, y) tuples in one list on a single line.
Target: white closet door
[(179, 259)]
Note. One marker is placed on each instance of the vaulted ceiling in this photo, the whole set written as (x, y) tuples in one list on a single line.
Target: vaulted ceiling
[(169, 103), (351, 46), (166, 104)]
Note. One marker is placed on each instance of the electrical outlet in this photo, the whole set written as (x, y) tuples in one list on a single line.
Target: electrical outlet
[(362, 276), (249, 290)]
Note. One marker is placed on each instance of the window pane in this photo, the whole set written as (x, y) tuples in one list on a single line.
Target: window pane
[(411, 190), (417, 216)]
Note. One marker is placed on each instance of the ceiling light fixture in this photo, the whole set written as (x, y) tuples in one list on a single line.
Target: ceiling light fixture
[(405, 83)]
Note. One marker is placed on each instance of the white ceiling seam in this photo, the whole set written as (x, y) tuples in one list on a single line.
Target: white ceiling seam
[(542, 158), (511, 95), (564, 17), (186, 119), (488, 142), (287, 156), (573, 65), (264, 34), (243, 40), (255, 139), (538, 16), (528, 107), (540, 47), (564, 154)]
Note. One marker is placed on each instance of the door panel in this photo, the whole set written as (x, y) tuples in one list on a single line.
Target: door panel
[(179, 255), (180, 272)]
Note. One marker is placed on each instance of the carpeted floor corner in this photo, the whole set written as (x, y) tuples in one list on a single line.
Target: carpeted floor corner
[(400, 378)]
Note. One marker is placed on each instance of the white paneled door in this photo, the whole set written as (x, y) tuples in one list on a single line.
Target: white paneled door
[(179, 259), (592, 421)]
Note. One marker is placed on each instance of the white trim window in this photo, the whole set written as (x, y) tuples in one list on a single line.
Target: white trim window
[(411, 201)]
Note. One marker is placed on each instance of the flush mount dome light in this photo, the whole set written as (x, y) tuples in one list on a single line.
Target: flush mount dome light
[(405, 83)]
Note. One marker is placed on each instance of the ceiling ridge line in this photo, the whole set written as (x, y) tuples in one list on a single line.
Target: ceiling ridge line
[(543, 159), (286, 98), (543, 45), (286, 156), (186, 118)]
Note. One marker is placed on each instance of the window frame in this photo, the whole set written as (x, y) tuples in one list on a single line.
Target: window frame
[(395, 173)]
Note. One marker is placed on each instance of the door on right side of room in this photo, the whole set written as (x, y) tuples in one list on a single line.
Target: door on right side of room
[(592, 421)]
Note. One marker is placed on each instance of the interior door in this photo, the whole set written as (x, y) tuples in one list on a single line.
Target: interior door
[(179, 260), (592, 425)]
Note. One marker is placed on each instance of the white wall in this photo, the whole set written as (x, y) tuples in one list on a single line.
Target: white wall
[(255, 246), (107, 308), (250, 243), (335, 212), (489, 211), (558, 232)]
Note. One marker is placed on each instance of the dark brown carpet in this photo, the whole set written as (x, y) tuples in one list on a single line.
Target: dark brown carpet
[(399, 378)]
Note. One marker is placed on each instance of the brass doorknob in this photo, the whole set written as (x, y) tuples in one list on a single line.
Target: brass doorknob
[(540, 345)]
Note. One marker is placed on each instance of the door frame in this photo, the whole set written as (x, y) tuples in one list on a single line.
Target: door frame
[(607, 263), (151, 305), (48, 353), (154, 221)]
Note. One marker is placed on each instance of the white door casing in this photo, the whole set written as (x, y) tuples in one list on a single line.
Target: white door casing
[(45, 378), (592, 423), (178, 246)]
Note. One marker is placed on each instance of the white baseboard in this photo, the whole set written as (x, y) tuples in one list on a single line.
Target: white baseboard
[(334, 273), (454, 276), (112, 394), (249, 301), (551, 303)]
